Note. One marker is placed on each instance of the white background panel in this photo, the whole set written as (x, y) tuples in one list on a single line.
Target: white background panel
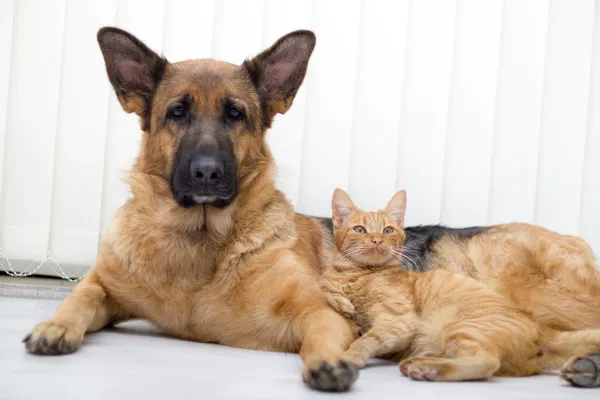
[(377, 104), (286, 134), (144, 19), (188, 29), (519, 108), (330, 105), (589, 218), (427, 75), (237, 29), (82, 112), (485, 111), (472, 113), (564, 118), (31, 127), (6, 28)]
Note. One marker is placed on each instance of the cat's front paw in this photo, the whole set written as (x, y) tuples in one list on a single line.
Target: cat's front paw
[(419, 369), (356, 359), (341, 304)]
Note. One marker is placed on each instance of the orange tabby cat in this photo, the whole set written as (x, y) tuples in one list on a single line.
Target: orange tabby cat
[(446, 326)]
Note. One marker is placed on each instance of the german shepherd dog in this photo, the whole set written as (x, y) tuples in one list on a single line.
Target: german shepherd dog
[(207, 249)]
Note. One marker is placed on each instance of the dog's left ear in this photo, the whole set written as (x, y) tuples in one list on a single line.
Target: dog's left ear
[(278, 72)]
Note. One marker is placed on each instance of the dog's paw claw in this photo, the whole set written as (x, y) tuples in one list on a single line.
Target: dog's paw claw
[(50, 338), (331, 377), (583, 371)]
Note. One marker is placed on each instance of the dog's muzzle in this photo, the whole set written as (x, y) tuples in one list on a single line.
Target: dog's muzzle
[(207, 179)]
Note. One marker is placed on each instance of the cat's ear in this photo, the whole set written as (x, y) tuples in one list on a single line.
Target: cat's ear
[(278, 72), (396, 208), (341, 207), (133, 69)]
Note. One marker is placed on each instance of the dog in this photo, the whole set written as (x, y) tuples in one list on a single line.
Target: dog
[(207, 249)]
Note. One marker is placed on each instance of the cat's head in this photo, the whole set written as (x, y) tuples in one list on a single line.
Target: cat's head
[(369, 238)]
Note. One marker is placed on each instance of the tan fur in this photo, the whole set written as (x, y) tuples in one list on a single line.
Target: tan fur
[(553, 278), (444, 325), (244, 276)]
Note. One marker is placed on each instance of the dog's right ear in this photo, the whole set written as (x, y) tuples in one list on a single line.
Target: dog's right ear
[(133, 69)]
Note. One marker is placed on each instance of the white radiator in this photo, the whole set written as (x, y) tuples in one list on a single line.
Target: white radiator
[(485, 111)]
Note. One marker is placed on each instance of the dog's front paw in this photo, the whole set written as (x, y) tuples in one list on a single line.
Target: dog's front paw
[(51, 338), (331, 376), (583, 371)]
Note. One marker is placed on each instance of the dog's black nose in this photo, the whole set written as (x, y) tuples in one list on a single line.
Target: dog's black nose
[(207, 169)]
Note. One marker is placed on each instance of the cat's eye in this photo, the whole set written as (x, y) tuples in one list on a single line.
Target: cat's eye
[(388, 230), (360, 229)]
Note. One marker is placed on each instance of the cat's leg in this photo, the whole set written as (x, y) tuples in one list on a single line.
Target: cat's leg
[(462, 357), (462, 368), (384, 337)]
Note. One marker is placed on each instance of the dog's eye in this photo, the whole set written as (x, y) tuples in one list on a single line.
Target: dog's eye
[(360, 229), (388, 230), (234, 113), (177, 112)]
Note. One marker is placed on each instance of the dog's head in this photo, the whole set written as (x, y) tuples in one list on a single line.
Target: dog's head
[(204, 120)]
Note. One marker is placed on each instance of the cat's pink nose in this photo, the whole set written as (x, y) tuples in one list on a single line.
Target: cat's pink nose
[(376, 242)]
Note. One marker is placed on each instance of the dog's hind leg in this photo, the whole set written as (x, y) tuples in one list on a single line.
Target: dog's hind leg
[(88, 309), (325, 337)]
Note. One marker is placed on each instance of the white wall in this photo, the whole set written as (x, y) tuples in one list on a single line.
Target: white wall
[(486, 111)]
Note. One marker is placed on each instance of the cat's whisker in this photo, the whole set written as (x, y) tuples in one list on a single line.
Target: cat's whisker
[(353, 251), (409, 260)]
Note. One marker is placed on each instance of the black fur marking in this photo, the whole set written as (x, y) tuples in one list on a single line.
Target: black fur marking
[(420, 240), (327, 222), (204, 138)]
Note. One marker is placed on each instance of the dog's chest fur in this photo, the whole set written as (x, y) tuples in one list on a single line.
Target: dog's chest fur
[(202, 284)]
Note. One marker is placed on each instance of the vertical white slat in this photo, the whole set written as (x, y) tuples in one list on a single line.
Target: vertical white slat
[(6, 35), (285, 135), (471, 119), (144, 19), (30, 128), (81, 135), (237, 29), (589, 217), (519, 105), (188, 29), (377, 103), (564, 118), (427, 77), (328, 127)]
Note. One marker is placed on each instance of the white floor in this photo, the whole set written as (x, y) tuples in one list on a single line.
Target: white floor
[(135, 362)]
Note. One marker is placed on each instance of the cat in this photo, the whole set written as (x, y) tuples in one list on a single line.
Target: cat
[(443, 325)]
